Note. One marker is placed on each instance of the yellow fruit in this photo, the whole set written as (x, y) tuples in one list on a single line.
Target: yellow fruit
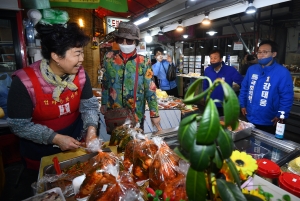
[(1, 113)]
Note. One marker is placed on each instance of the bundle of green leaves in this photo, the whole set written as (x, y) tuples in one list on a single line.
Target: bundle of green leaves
[(207, 145)]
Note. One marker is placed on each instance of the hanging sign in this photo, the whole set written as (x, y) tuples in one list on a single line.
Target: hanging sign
[(238, 46), (113, 22), (113, 5)]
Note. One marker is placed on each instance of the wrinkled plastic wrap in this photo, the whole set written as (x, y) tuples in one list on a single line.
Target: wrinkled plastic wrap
[(168, 172), (242, 126), (92, 142), (90, 168), (143, 154), (122, 135), (137, 136), (63, 181), (116, 188), (95, 170)]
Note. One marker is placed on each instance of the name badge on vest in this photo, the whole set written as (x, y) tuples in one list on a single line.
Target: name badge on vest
[(64, 109)]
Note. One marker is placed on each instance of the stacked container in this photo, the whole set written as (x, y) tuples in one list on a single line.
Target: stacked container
[(269, 170), (290, 182)]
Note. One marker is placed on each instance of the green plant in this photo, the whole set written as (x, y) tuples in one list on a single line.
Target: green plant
[(158, 195), (207, 144)]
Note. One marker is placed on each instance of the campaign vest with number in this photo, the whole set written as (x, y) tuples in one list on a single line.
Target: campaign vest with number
[(46, 111)]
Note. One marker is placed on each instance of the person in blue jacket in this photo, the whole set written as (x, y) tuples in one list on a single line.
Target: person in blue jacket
[(218, 70), (267, 88), (160, 69)]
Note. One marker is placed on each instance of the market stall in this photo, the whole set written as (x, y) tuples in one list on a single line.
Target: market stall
[(262, 146)]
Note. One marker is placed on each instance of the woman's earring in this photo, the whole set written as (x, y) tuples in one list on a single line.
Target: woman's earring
[(57, 63)]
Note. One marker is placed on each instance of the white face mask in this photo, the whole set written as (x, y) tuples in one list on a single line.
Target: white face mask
[(127, 48)]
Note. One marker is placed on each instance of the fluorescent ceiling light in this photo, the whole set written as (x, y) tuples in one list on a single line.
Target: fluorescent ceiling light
[(251, 9), (211, 33), (148, 39), (229, 45), (185, 36), (201, 46), (145, 18)]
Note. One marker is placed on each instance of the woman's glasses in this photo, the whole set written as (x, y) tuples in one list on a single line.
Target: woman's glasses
[(121, 40)]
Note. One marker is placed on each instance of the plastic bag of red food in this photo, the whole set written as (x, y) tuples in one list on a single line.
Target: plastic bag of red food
[(114, 187), (49, 181), (137, 136), (95, 170), (168, 172), (118, 133), (122, 135), (143, 154)]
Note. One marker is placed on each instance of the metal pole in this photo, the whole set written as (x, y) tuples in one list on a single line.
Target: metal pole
[(238, 34)]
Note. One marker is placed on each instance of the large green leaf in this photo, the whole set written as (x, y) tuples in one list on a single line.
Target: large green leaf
[(229, 191), (196, 185), (200, 156), (181, 153), (189, 97), (231, 106), (225, 143), (209, 127), (218, 159), (187, 132), (233, 171)]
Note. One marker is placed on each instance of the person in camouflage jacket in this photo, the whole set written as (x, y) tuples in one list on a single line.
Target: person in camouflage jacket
[(119, 77)]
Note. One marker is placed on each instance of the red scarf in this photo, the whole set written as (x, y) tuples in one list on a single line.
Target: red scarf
[(127, 56)]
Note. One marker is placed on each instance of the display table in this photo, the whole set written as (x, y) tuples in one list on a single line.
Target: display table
[(183, 81), (170, 118)]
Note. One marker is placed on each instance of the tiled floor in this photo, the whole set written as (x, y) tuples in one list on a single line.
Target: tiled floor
[(14, 191)]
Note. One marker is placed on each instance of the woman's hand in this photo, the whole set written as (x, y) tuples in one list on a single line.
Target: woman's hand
[(91, 134), (65, 142), (92, 142), (103, 109), (155, 121)]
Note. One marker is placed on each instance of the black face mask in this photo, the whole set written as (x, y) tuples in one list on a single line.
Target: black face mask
[(215, 65)]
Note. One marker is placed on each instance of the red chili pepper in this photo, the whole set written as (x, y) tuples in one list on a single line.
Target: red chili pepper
[(164, 196), (172, 198), (151, 191)]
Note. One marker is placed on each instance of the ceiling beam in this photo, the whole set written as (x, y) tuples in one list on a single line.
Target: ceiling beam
[(218, 10)]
